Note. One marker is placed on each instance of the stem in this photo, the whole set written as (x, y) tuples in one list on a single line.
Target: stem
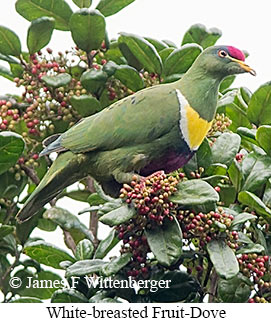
[(31, 174), (213, 286), (10, 268), (93, 220), (69, 241)]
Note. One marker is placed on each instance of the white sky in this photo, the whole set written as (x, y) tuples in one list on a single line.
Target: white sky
[(244, 24)]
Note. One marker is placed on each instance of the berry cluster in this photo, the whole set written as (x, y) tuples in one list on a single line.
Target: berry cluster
[(150, 79), (253, 265), (220, 124), (263, 292), (151, 197), (206, 227), (116, 90), (9, 115), (239, 157)]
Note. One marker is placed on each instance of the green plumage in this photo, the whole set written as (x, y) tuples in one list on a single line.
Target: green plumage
[(138, 134)]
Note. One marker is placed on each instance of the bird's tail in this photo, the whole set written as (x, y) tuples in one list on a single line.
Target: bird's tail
[(65, 170)]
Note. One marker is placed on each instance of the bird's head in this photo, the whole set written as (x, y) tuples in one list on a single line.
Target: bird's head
[(222, 61)]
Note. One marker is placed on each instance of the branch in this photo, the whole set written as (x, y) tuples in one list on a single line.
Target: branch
[(69, 241), (31, 174), (10, 268), (213, 286)]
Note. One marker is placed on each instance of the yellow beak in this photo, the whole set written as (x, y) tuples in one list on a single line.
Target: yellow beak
[(244, 66)]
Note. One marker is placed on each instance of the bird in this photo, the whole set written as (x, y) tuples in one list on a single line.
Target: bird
[(156, 129)]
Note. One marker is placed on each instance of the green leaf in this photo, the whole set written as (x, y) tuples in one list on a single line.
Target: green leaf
[(58, 80), (88, 29), (5, 230), (180, 60), (166, 242), (225, 148), (223, 259), (82, 3), (137, 48), (26, 300), (164, 53), (57, 9), (84, 250), (247, 134), (251, 248), (256, 169), (263, 136), (253, 201), (194, 192), (11, 148), (199, 34), (110, 7), (202, 158), (39, 33), (68, 296), (234, 290), (95, 199), (9, 59), (9, 186), (68, 222), (226, 83), (46, 253), (116, 264), (9, 42), (85, 267), (78, 195), (46, 225), (6, 73), (242, 218), (267, 194), (130, 77), (259, 111), (181, 287), (120, 215), (85, 105), (106, 245), (93, 79), (159, 45)]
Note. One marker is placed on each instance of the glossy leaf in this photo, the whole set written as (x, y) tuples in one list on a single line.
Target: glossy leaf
[(68, 222), (6, 73), (242, 218), (39, 33), (84, 250), (106, 245), (95, 199), (11, 148), (93, 79), (110, 7), (226, 83), (180, 60), (199, 34), (194, 192), (181, 286), (223, 259), (253, 201), (130, 77), (85, 267), (225, 148), (9, 59), (82, 3), (46, 225), (85, 105), (78, 195), (58, 80), (116, 264), (159, 45), (259, 111), (9, 42), (251, 248), (5, 230), (57, 9), (118, 216), (26, 300), (47, 254), (137, 48), (263, 136), (234, 290), (256, 170), (164, 53), (267, 194), (247, 134), (68, 296), (165, 242), (88, 29)]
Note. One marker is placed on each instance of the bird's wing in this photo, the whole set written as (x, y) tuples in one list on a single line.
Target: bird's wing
[(139, 118)]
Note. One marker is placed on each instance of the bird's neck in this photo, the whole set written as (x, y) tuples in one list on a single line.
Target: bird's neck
[(201, 91)]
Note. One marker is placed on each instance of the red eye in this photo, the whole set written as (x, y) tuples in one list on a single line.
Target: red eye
[(222, 53)]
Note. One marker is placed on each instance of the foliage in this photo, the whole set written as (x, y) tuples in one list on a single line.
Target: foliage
[(212, 217)]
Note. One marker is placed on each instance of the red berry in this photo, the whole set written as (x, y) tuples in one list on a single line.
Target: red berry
[(217, 188)]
